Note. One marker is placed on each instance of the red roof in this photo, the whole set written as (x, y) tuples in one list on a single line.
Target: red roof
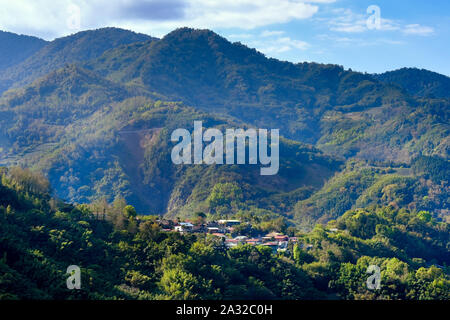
[(270, 244), (218, 235)]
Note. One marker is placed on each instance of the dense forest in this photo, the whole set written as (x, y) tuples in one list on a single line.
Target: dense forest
[(126, 256), (95, 117)]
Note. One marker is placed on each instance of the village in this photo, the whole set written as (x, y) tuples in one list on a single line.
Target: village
[(226, 230)]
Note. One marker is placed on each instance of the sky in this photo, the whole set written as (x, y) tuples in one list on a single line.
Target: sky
[(368, 36)]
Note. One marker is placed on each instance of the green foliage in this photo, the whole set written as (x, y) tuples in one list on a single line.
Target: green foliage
[(121, 261), (53, 55), (436, 168), (418, 82), (336, 197), (129, 211), (97, 121), (224, 195), (16, 48), (301, 256)]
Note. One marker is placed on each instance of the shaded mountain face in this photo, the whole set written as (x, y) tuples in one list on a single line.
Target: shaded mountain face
[(122, 147), (79, 47), (98, 122), (418, 82), (16, 48)]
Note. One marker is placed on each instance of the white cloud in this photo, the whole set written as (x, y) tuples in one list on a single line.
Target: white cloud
[(295, 44), (357, 41), (49, 19), (278, 45), (417, 29), (240, 36), (347, 21), (271, 33)]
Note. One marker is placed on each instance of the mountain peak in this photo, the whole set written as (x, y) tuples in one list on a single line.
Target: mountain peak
[(108, 33), (79, 47), (191, 32), (198, 37), (418, 82)]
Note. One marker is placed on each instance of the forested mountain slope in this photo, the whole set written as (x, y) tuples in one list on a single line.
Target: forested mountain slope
[(98, 116), (16, 48), (122, 256), (418, 82), (78, 47), (343, 112)]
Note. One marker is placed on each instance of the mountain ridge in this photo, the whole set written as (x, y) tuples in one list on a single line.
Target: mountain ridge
[(74, 48), (205, 70), (16, 48), (99, 127), (418, 82)]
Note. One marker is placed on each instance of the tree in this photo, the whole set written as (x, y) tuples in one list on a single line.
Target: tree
[(149, 230), (301, 256), (129, 211), (29, 181), (119, 204), (199, 218), (226, 195)]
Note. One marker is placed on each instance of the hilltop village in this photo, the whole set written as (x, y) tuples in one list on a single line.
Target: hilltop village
[(226, 230)]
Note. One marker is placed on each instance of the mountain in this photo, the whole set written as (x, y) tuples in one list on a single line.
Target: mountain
[(39, 112), (78, 47), (361, 185), (95, 139), (207, 71), (100, 126), (16, 48), (418, 82), (342, 112), (87, 177)]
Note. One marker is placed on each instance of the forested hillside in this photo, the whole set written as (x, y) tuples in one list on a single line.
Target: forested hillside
[(87, 177), (123, 149), (343, 112), (99, 128), (418, 82), (78, 47), (16, 48), (123, 256)]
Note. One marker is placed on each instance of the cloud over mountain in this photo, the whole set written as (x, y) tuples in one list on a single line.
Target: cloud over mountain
[(49, 19)]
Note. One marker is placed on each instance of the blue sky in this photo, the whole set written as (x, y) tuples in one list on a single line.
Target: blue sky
[(411, 33)]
